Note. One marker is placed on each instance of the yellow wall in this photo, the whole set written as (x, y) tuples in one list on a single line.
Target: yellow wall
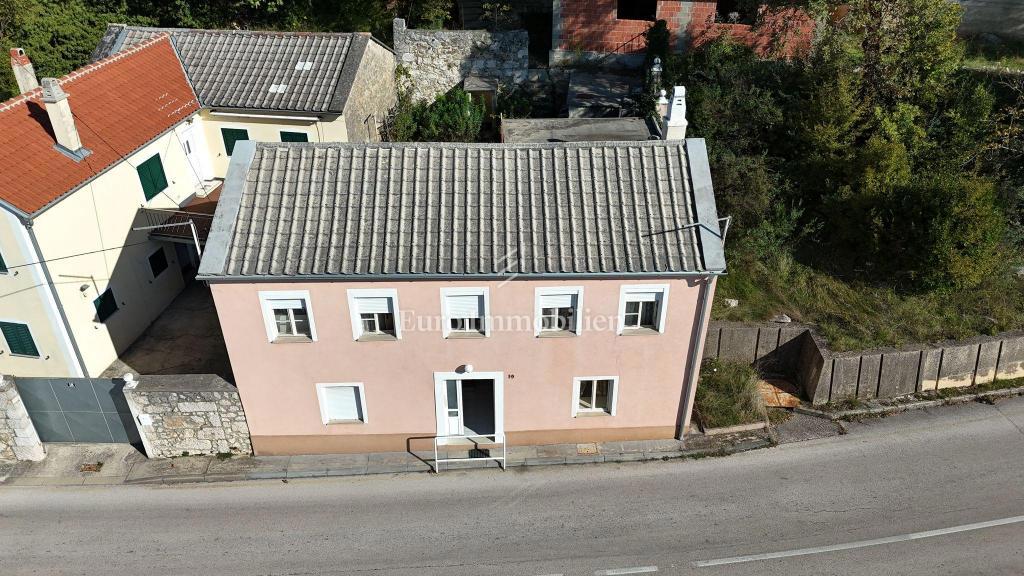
[(331, 129), (24, 298), (88, 242)]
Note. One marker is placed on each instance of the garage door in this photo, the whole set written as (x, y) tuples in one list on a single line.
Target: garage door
[(78, 409)]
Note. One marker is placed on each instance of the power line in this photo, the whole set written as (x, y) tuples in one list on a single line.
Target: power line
[(77, 255)]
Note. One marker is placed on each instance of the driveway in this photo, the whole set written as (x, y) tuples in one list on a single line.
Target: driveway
[(925, 493), (185, 339)]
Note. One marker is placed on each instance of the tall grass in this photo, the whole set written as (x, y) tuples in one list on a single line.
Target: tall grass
[(857, 315), (727, 394)]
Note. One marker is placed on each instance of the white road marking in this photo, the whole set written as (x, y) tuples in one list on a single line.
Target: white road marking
[(861, 543), (621, 571)]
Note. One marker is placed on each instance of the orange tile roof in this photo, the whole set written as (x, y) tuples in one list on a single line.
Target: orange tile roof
[(120, 104)]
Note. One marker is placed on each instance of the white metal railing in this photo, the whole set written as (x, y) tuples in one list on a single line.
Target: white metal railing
[(499, 459)]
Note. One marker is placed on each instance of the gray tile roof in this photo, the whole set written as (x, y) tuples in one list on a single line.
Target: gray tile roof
[(251, 70), (373, 210)]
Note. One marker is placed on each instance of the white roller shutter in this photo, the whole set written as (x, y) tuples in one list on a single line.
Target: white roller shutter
[(374, 305), (342, 403), (465, 306), (643, 296), (293, 304), (558, 301)]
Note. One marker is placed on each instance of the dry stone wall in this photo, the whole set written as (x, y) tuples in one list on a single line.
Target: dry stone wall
[(18, 438), (194, 414), (439, 60)]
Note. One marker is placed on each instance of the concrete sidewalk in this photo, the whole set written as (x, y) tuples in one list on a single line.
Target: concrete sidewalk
[(76, 464)]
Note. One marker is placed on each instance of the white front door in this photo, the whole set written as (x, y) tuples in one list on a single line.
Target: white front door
[(449, 409), (453, 405)]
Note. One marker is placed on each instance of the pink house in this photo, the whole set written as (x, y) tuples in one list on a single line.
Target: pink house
[(376, 296)]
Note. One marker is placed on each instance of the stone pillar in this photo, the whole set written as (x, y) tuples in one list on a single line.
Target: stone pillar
[(18, 437)]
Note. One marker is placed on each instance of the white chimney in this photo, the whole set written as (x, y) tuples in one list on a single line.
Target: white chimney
[(675, 121), (24, 72), (59, 111)]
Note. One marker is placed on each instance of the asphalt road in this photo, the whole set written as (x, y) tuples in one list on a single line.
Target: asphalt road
[(925, 471)]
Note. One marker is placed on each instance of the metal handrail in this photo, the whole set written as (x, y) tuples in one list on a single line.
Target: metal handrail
[(618, 48), (499, 459)]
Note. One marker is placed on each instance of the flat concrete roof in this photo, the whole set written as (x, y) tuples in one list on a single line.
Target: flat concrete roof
[(577, 130)]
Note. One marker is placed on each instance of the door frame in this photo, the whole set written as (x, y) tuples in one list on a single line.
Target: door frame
[(441, 400), (201, 168)]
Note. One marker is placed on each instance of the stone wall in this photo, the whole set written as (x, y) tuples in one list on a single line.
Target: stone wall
[(18, 438), (439, 60), (194, 414), (373, 94), (826, 376)]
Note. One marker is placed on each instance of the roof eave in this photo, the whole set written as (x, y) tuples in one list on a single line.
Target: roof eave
[(416, 277)]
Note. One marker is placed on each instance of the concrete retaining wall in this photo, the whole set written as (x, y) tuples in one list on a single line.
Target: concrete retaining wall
[(193, 414), (439, 60), (18, 437), (825, 376)]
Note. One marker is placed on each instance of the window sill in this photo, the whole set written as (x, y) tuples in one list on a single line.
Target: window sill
[(377, 338), (591, 414), (639, 332), (557, 334), (292, 340), (13, 355), (343, 422), (465, 335)]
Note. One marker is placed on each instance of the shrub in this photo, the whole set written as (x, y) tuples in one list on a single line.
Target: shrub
[(453, 117), (727, 394)]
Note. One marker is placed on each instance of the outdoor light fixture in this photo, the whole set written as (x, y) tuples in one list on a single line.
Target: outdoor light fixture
[(465, 369)]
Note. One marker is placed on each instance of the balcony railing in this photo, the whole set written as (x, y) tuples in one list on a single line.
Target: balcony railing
[(176, 225)]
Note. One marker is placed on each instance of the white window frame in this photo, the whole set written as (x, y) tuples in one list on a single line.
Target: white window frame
[(577, 291), (266, 299), (353, 309), (614, 393), (325, 417), (628, 289), (446, 324)]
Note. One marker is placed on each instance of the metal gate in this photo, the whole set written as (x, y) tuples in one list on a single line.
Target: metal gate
[(78, 409)]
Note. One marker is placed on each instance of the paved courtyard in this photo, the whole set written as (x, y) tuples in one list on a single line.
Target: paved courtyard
[(185, 339)]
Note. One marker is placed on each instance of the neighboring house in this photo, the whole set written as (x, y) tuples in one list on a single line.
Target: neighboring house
[(582, 28), (81, 158), (1004, 18), (277, 86), (374, 296)]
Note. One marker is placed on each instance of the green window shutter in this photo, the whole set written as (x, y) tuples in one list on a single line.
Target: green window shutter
[(19, 339), (232, 135), (105, 305), (152, 177), (3, 265), (294, 137)]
